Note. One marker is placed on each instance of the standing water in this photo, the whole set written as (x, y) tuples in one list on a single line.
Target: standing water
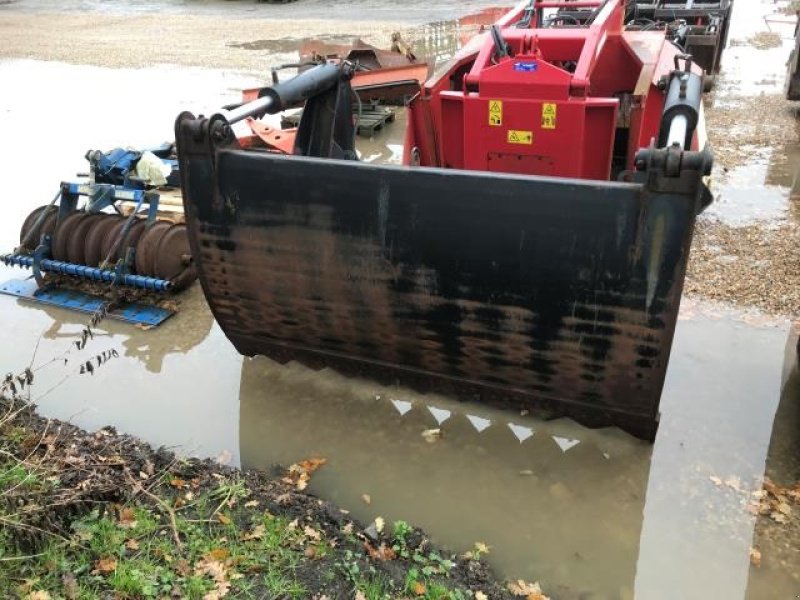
[(589, 513)]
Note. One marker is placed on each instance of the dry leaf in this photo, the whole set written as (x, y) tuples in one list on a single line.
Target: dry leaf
[(251, 504), (715, 480), (177, 482), (382, 552), (223, 519), (379, 524), (257, 533), (419, 588), (311, 533), (218, 554), (531, 591), (40, 595), (182, 568), (218, 572), (481, 596), (360, 595), (431, 435), (127, 518), (481, 547), (778, 517), (310, 552), (132, 544), (784, 508), (104, 565), (755, 557), (300, 473), (366, 498), (733, 482)]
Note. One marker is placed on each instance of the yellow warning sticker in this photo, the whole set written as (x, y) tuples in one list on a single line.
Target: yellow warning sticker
[(549, 115), (495, 113), (517, 136)]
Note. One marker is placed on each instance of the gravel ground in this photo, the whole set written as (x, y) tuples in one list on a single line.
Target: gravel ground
[(149, 39), (739, 125), (754, 264)]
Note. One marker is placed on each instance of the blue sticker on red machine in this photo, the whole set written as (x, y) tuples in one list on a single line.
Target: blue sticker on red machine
[(528, 67)]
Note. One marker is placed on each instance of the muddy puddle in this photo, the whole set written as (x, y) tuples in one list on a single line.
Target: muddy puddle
[(744, 196), (591, 514)]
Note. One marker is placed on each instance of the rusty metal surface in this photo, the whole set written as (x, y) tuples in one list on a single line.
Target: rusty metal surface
[(93, 244), (147, 247), (365, 54), (560, 295)]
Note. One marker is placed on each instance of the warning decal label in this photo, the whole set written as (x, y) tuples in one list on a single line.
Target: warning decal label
[(518, 136), (549, 115), (495, 113)]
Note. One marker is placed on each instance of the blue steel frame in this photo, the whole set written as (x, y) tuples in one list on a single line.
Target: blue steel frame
[(99, 196)]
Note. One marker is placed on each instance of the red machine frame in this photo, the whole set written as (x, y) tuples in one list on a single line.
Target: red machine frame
[(570, 101)]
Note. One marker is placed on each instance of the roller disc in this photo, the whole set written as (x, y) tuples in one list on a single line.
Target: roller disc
[(28, 224), (49, 224), (76, 241), (64, 232), (174, 257), (93, 246), (112, 237), (134, 234), (148, 246)]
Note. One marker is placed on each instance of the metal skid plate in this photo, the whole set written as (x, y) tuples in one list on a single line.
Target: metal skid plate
[(138, 314)]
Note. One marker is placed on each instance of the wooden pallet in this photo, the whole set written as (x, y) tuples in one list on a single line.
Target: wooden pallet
[(372, 119), (170, 206)]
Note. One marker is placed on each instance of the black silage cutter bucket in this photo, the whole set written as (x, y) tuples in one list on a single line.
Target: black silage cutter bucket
[(555, 295)]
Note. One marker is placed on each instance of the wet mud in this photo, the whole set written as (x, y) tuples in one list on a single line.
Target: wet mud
[(589, 513)]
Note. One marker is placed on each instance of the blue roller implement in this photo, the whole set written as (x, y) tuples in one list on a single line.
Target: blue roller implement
[(131, 312), (89, 273)]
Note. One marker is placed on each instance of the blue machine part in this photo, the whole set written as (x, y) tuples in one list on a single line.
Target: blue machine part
[(90, 273), (116, 166), (133, 312)]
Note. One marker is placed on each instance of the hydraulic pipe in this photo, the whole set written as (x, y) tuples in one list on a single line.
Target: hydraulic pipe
[(259, 107), (684, 92), (288, 94), (677, 131)]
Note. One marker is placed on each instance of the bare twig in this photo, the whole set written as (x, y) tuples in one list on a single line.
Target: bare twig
[(137, 487), (28, 557)]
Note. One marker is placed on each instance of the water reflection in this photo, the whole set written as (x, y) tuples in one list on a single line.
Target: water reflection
[(555, 501), (779, 544), (590, 513), (195, 325)]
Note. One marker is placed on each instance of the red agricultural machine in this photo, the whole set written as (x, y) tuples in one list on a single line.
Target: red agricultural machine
[(530, 252)]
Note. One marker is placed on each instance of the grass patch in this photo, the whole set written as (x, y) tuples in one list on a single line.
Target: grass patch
[(95, 515)]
